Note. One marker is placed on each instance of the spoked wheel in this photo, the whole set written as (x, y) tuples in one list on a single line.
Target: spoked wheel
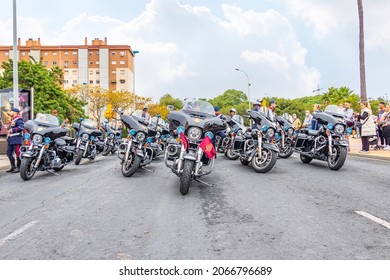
[(27, 169), (266, 162), (287, 151), (79, 157), (306, 159), (130, 166), (336, 161), (186, 177), (230, 154), (106, 150)]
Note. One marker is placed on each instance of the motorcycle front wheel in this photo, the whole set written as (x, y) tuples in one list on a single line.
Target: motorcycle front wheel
[(336, 161), (27, 169), (106, 150), (266, 162), (130, 166), (79, 157), (186, 176), (230, 154), (287, 151)]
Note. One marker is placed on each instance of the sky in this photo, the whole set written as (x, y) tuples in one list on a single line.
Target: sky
[(191, 48)]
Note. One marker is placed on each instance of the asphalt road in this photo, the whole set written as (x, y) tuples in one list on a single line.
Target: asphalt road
[(295, 211)]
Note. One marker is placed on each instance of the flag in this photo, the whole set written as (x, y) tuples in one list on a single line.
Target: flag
[(183, 138), (208, 148)]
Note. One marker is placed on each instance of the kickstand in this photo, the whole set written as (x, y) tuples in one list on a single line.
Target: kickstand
[(53, 172), (149, 170), (204, 183)]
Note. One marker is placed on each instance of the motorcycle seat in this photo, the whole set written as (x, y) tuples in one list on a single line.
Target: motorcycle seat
[(68, 139), (312, 132)]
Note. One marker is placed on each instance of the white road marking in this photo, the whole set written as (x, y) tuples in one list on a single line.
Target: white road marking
[(17, 232), (373, 218)]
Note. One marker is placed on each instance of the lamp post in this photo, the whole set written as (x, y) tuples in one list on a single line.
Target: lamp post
[(134, 103), (249, 94), (15, 59)]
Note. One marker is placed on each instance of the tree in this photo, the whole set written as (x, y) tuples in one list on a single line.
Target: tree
[(168, 99), (48, 94), (363, 92), (229, 98)]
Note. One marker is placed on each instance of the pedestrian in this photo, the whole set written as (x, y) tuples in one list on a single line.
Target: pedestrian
[(296, 122), (307, 120), (348, 111), (368, 126), (14, 140), (232, 112), (256, 106), (385, 123), (271, 111), (55, 114), (145, 115), (314, 124), (219, 133), (381, 111)]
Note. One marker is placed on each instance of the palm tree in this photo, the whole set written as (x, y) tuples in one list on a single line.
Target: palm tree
[(363, 92)]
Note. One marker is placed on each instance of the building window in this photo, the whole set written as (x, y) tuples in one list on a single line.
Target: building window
[(122, 81), (90, 72), (90, 53), (54, 53), (74, 62), (97, 62), (113, 62), (66, 82), (97, 52), (91, 81), (74, 81), (54, 62), (45, 63), (23, 54), (65, 63), (122, 62), (97, 72), (74, 53), (66, 72), (6, 53), (91, 62), (113, 72), (45, 54), (65, 53), (122, 53), (98, 81), (74, 72), (122, 72), (113, 53)]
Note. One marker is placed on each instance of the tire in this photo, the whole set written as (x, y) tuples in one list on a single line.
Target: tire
[(306, 159), (186, 177), (58, 168), (337, 161), (230, 154), (267, 161), (129, 168), (244, 161), (79, 157), (27, 169), (287, 151), (106, 150)]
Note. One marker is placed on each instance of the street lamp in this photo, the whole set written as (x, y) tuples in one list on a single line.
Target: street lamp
[(134, 104), (15, 59), (249, 94)]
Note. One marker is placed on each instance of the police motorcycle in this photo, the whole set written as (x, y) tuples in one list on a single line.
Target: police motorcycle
[(112, 139), (257, 146), (158, 142), (285, 135), (192, 154), (327, 143), (136, 151), (89, 140), (46, 146), (236, 127)]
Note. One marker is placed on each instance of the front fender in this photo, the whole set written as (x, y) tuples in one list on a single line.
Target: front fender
[(30, 154), (339, 142), (272, 147)]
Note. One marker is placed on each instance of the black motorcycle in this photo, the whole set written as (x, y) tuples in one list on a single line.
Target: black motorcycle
[(256, 146), (46, 147), (112, 139), (89, 140), (192, 154), (136, 152), (235, 127), (328, 143), (285, 136)]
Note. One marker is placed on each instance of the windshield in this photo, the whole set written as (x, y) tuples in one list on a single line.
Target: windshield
[(334, 109), (47, 118), (160, 121), (238, 119), (90, 123), (139, 113), (199, 106)]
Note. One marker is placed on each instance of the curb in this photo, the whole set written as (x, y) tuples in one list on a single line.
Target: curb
[(369, 156)]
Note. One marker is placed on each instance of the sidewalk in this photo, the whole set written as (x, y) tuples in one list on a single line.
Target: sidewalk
[(355, 145)]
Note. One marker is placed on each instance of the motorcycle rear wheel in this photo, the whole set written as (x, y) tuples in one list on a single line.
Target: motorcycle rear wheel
[(336, 161), (287, 151), (186, 176), (27, 169), (266, 162), (130, 167), (230, 154), (106, 150)]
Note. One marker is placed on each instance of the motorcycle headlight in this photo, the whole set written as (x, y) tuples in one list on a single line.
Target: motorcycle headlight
[(194, 133), (270, 132), (85, 137), (290, 131), (37, 138), (330, 126), (47, 140), (339, 128), (210, 135), (27, 136), (140, 136)]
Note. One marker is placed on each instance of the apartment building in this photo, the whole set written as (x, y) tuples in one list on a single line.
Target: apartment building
[(97, 64)]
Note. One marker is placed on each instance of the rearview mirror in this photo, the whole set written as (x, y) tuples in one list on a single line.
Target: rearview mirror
[(170, 108)]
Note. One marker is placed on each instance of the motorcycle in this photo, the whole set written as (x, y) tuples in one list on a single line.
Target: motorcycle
[(136, 152), (46, 146), (192, 154), (257, 146), (89, 140), (158, 143), (235, 127), (328, 143), (285, 136), (112, 139)]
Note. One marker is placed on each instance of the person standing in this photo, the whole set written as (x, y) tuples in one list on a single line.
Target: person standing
[(232, 112), (296, 122), (145, 115), (55, 114), (385, 121), (314, 125), (307, 120), (14, 140), (381, 111), (271, 111), (368, 125)]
